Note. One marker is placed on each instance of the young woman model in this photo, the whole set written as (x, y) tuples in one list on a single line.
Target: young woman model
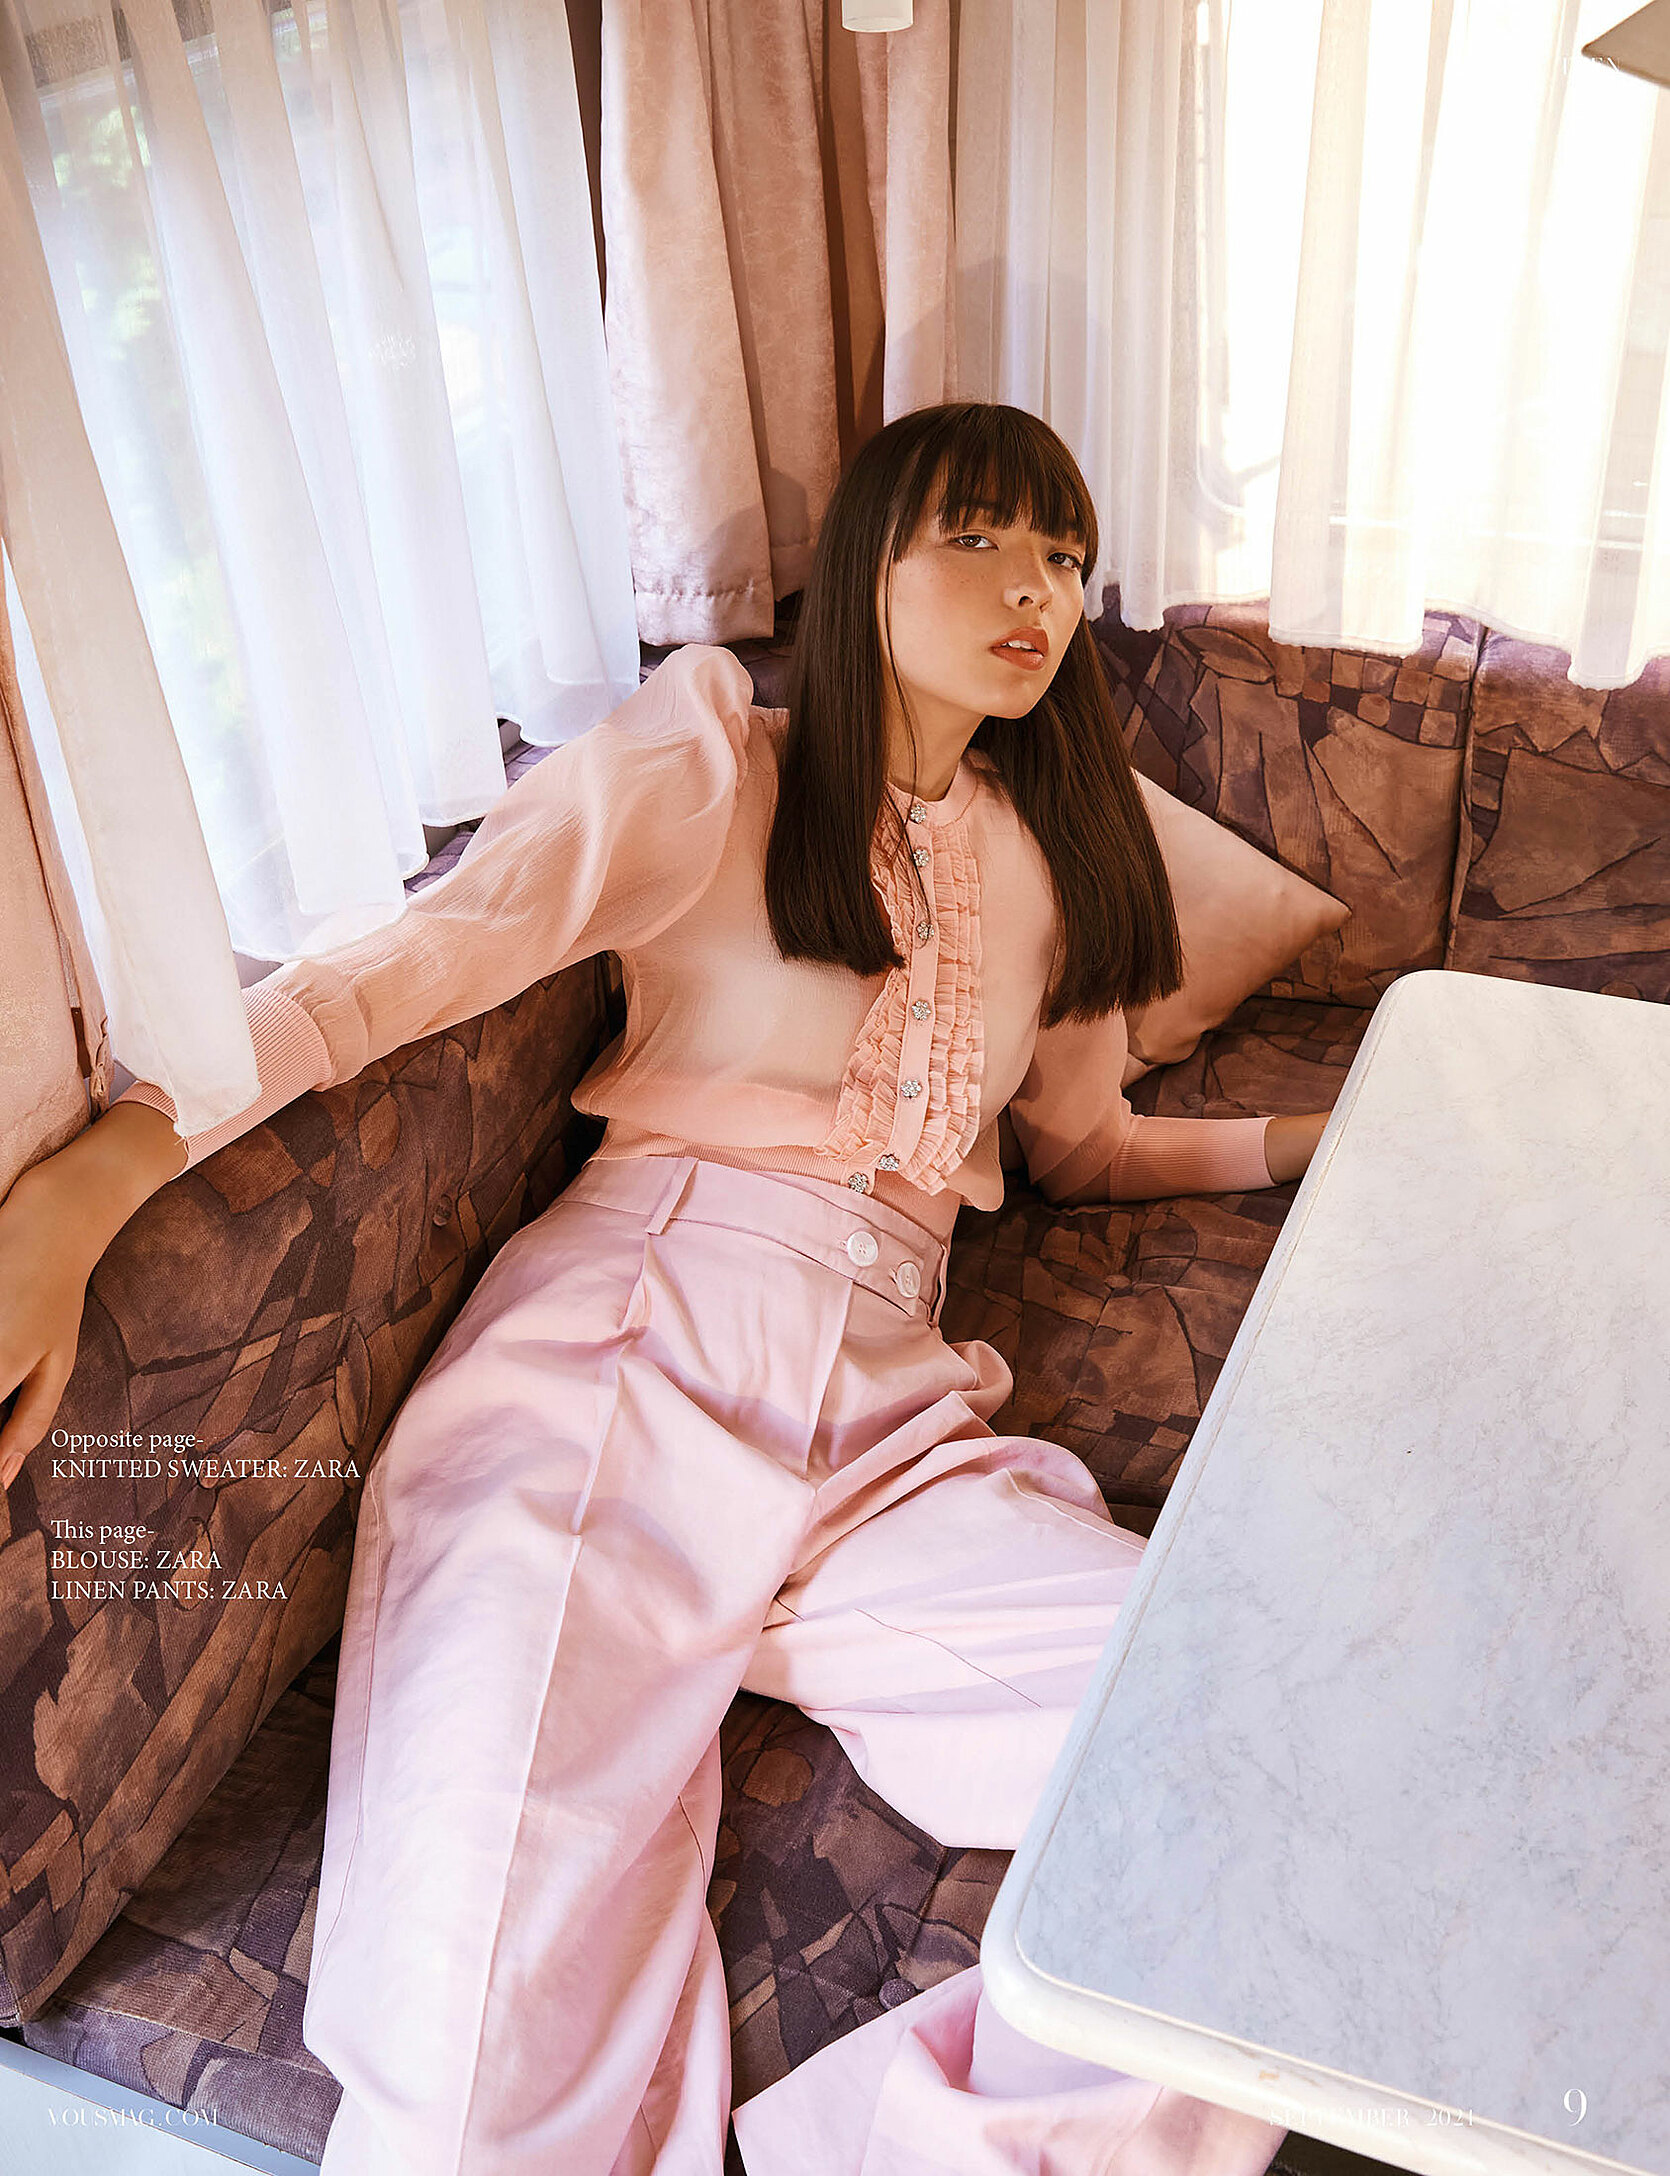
[(696, 1428)]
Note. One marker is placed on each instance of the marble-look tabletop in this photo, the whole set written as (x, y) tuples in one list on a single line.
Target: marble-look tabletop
[(1365, 1825)]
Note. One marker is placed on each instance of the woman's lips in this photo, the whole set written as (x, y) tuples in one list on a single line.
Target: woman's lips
[(1027, 660)]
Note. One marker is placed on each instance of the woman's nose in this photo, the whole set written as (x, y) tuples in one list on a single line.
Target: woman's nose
[(1031, 585)]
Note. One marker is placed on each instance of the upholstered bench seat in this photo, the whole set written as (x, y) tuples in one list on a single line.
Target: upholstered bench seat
[(1471, 807), (830, 1905), (195, 1994)]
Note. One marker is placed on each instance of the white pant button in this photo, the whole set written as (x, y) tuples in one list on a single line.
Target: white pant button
[(908, 1278), (862, 1249)]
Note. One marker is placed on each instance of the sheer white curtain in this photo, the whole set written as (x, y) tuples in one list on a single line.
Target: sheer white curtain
[(55, 1044), (1361, 305), (320, 281)]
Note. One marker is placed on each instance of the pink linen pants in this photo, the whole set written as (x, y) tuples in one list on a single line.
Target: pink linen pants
[(695, 1429)]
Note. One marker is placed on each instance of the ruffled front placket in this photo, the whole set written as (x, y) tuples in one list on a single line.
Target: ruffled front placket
[(910, 1097)]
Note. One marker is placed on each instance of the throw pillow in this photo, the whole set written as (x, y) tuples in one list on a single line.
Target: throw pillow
[(1242, 917)]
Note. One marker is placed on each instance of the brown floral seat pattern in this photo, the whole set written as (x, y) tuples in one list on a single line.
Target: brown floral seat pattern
[(830, 1906), (1344, 766), (195, 1995), (1564, 869), (1361, 773), (269, 1309)]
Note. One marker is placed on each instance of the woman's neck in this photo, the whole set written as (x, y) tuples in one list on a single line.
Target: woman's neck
[(928, 765), (925, 787)]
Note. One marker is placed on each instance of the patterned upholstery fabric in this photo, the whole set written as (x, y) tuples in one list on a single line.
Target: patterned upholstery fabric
[(195, 1995), (1564, 868), (273, 1306), (1115, 1321), (1345, 767), (831, 1907), (767, 660)]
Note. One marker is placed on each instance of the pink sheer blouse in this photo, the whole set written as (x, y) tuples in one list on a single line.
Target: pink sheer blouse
[(647, 837)]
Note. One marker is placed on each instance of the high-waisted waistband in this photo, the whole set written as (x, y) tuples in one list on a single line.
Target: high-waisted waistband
[(857, 1237)]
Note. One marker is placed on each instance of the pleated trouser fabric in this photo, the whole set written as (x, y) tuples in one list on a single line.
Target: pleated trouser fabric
[(695, 1429)]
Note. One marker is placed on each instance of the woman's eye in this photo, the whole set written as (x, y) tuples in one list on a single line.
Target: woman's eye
[(973, 536)]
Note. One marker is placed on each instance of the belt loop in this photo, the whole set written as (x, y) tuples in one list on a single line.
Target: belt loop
[(677, 1186)]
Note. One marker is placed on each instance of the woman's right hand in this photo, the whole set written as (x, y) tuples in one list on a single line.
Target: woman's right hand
[(55, 1223), (44, 1268)]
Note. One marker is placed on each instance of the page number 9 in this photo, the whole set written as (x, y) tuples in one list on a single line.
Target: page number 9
[(1576, 2104)]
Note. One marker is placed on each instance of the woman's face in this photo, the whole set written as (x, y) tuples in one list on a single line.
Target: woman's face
[(979, 618)]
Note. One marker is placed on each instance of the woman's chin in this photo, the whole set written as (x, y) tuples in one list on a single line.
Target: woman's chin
[(1015, 702)]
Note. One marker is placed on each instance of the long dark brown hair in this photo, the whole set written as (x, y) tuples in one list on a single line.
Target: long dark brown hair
[(1063, 765)]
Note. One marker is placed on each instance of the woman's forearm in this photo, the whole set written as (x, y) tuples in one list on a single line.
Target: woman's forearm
[(55, 1223), (106, 1173), (1290, 1143)]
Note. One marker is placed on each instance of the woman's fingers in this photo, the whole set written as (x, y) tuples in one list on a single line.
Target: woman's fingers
[(45, 1262), (38, 1398)]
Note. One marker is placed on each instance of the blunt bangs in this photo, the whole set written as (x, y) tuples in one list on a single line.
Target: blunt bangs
[(1063, 766), (982, 461)]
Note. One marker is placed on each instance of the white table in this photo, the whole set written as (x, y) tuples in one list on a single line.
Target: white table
[(1365, 1825)]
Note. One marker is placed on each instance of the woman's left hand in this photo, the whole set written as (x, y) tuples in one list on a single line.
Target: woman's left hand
[(1290, 1143)]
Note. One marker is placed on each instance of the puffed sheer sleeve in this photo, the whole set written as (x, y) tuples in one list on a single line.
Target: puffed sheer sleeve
[(1083, 1143), (598, 847)]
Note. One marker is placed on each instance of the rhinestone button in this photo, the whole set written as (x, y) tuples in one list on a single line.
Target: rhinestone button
[(908, 1278), (924, 930), (921, 856), (889, 1162), (862, 1249), (921, 1010), (918, 813), (910, 1090), (858, 1182)]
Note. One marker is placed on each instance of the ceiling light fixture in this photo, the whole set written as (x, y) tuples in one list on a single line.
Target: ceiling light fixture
[(875, 14)]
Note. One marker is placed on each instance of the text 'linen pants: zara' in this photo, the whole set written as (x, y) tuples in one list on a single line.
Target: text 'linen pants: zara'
[(695, 1429)]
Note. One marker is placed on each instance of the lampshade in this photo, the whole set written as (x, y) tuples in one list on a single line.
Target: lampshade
[(876, 14), (1640, 45)]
